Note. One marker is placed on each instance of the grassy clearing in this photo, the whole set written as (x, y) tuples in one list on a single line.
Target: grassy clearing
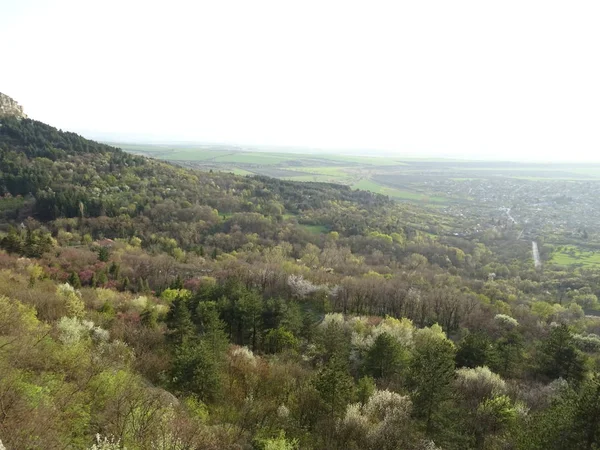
[(251, 158), (332, 171), (369, 160), (570, 255), (316, 229), (194, 155), (370, 185), (314, 178), (243, 172)]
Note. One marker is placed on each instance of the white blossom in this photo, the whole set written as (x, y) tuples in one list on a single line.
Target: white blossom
[(71, 330), (244, 353), (301, 287), (105, 443), (100, 334), (283, 411), (506, 321)]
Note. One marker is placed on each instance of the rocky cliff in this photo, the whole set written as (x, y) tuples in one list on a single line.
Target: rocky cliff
[(8, 107)]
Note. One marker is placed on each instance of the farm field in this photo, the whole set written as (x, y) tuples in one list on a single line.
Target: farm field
[(571, 255)]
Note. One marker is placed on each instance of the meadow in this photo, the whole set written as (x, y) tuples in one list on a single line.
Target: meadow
[(571, 255)]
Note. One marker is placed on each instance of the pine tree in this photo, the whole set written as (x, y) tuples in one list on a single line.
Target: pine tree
[(431, 375), (103, 254), (335, 385), (74, 280), (179, 322), (559, 358), (125, 284), (385, 358), (149, 317), (102, 278)]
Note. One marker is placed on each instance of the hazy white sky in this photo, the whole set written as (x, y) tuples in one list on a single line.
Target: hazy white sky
[(504, 79)]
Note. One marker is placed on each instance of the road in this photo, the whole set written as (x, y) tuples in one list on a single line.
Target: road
[(536, 255)]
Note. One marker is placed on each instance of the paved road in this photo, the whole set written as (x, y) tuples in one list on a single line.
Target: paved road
[(536, 255)]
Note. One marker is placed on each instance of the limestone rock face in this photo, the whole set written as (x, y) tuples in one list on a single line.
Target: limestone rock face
[(10, 108)]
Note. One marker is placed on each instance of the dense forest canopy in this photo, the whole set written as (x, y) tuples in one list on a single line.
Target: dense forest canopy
[(148, 306)]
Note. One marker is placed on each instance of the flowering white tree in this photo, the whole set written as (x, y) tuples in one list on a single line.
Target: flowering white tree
[(301, 287), (506, 321), (382, 423), (478, 384)]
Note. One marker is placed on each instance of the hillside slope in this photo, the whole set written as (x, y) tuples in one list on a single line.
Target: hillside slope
[(146, 306)]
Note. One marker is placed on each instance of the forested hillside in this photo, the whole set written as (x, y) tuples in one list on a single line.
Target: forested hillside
[(146, 306)]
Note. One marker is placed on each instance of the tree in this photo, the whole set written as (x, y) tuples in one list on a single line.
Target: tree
[(559, 358), (249, 309), (179, 322), (431, 374), (335, 385), (74, 280), (149, 317), (506, 353), (195, 370), (385, 358), (492, 417), (103, 254), (473, 350), (280, 339), (586, 421), (212, 328), (365, 388)]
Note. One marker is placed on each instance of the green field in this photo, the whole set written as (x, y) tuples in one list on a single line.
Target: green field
[(315, 229), (570, 255), (370, 185)]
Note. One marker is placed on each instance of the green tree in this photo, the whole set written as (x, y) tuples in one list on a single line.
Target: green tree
[(559, 358), (181, 328), (506, 354), (335, 385), (385, 358), (473, 350), (249, 310), (365, 388), (196, 371), (103, 254), (586, 420), (74, 280), (431, 374), (212, 328), (149, 317), (280, 339)]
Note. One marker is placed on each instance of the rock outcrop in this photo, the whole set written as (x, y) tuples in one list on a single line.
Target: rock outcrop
[(10, 108)]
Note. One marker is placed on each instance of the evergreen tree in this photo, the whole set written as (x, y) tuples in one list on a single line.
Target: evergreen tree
[(385, 358), (149, 317), (473, 350), (74, 280), (103, 254), (102, 278), (586, 420), (335, 386), (179, 323), (212, 328), (559, 358), (431, 374)]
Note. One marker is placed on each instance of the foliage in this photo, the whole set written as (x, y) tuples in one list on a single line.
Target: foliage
[(163, 307)]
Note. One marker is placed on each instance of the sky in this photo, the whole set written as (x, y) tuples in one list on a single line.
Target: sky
[(464, 79)]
